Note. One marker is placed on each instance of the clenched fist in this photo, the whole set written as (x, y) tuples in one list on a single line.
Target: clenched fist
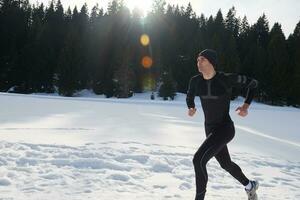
[(192, 111), (242, 110)]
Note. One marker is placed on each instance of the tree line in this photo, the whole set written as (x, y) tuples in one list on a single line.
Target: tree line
[(50, 49)]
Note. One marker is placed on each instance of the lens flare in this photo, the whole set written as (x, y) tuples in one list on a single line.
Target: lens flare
[(148, 83), (145, 40), (147, 62)]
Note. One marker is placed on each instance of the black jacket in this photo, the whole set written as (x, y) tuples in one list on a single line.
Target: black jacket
[(215, 94)]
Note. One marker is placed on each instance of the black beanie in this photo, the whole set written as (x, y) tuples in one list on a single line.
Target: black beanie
[(210, 55)]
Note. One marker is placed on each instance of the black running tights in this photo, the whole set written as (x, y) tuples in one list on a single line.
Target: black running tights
[(215, 145)]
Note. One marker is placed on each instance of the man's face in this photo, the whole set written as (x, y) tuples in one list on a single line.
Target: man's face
[(202, 63)]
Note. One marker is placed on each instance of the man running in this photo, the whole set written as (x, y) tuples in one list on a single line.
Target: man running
[(214, 89)]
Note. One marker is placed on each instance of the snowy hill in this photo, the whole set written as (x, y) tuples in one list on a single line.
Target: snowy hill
[(90, 147)]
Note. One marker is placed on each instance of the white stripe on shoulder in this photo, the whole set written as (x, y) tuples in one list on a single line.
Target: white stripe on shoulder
[(239, 79)]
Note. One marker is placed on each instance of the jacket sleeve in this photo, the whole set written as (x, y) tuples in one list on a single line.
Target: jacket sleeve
[(244, 82), (190, 96)]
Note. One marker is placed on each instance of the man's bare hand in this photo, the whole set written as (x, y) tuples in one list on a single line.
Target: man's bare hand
[(192, 111), (242, 110)]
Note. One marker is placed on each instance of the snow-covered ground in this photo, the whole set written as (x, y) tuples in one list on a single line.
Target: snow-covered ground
[(90, 147)]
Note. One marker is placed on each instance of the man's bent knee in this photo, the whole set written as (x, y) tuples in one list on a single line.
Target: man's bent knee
[(227, 166)]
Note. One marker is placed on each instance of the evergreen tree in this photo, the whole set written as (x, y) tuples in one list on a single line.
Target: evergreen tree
[(94, 47), (124, 79), (278, 63), (48, 47), (255, 59), (114, 7), (243, 44), (189, 12), (168, 86), (294, 72), (31, 61), (69, 66), (81, 27), (159, 6), (232, 23), (14, 28), (77, 50)]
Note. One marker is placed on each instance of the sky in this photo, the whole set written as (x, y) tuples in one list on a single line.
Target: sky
[(286, 12)]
